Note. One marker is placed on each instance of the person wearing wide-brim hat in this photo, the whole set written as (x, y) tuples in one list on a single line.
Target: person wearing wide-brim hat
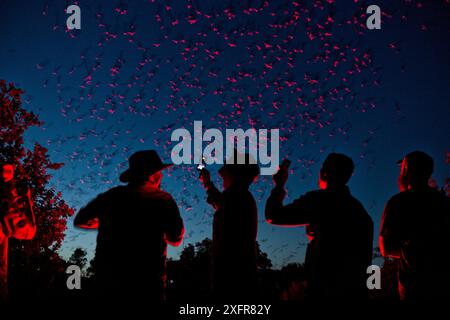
[(135, 222), (143, 164)]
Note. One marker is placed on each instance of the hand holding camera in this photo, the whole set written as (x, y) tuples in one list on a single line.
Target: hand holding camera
[(280, 178)]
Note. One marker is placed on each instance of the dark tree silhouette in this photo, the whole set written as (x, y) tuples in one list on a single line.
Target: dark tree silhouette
[(78, 258), (190, 276), (292, 281), (90, 271), (262, 259), (33, 264)]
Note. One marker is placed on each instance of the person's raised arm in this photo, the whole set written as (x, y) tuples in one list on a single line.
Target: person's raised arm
[(87, 217), (297, 213), (214, 195)]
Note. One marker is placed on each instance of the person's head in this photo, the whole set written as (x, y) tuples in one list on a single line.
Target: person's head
[(239, 174), (152, 180), (7, 172), (415, 171), (144, 167), (336, 171)]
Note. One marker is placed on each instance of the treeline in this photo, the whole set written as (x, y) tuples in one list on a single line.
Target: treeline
[(188, 278)]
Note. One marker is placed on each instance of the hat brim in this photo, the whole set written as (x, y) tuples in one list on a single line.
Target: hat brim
[(129, 174)]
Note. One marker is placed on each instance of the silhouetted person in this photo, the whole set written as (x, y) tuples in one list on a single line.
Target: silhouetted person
[(16, 220), (338, 226), (234, 231), (135, 222), (415, 229)]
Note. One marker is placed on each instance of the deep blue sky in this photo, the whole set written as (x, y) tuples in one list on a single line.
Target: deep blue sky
[(374, 95)]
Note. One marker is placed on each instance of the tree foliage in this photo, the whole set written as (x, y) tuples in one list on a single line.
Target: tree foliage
[(78, 258), (32, 168)]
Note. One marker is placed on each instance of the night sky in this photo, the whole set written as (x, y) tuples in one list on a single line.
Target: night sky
[(137, 70)]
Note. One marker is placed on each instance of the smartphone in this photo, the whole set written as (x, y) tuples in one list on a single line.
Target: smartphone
[(202, 164), (285, 164)]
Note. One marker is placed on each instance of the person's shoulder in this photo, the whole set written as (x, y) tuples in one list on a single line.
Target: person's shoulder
[(315, 194), (358, 203), (408, 195), (162, 195), (438, 194), (114, 191), (312, 197), (239, 196), (361, 209), (439, 197), (238, 193), (400, 197)]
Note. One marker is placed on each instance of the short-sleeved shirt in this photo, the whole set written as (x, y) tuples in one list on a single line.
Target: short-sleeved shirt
[(134, 226), (418, 222), (341, 239)]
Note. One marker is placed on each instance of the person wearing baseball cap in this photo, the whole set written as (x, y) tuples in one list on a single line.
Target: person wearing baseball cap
[(135, 223), (415, 229)]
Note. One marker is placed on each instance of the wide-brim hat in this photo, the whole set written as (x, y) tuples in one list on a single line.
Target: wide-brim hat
[(143, 164)]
